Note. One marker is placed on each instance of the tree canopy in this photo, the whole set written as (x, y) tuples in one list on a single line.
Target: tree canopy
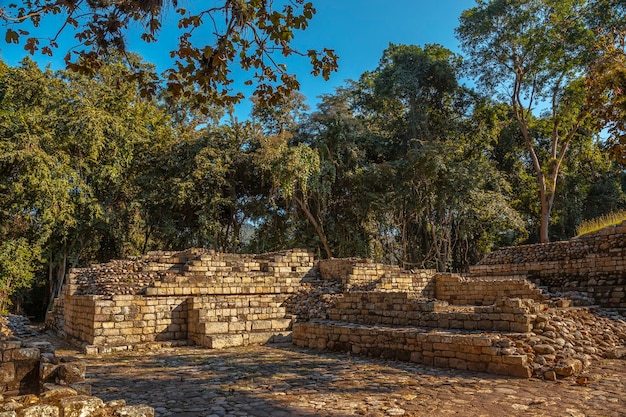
[(213, 38), (405, 164), (539, 55)]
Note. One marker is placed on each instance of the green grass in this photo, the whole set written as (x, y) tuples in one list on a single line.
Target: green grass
[(593, 225)]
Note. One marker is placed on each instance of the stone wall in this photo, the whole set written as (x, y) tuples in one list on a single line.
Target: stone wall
[(219, 321), (594, 264), (483, 290), (363, 274), (403, 309), (198, 296), (35, 383)]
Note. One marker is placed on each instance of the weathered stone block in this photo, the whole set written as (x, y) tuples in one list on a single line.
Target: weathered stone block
[(568, 367), (79, 406), (71, 372), (26, 354), (40, 410), (135, 411)]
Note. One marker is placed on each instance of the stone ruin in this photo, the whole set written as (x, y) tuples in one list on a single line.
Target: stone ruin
[(34, 382), (545, 310)]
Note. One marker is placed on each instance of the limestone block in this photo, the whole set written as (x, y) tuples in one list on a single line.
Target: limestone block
[(71, 372), (79, 406), (7, 372), (543, 349), (261, 324), (40, 410), (215, 327), (568, 367), (26, 354), (53, 393), (259, 338), (135, 411), (223, 341)]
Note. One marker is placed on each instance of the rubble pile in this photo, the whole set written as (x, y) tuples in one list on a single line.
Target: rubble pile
[(34, 382), (314, 299), (120, 277), (565, 341)]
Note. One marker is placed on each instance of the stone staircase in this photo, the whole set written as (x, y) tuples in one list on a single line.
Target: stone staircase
[(398, 326), (477, 322)]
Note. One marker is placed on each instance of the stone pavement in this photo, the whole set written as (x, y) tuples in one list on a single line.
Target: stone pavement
[(281, 380)]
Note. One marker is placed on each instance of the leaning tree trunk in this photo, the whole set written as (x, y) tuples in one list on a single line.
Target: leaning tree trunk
[(316, 225)]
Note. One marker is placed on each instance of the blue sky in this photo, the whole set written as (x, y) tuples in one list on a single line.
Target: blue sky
[(358, 30)]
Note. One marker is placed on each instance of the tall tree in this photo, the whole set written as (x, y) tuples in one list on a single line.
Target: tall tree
[(429, 174), (536, 54), (251, 34), (69, 146)]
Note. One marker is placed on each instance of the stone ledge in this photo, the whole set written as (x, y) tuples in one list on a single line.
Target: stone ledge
[(446, 349)]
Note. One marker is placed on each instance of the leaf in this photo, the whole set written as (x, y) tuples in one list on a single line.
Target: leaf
[(12, 36)]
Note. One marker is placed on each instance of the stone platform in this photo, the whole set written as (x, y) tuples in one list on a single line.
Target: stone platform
[(499, 318)]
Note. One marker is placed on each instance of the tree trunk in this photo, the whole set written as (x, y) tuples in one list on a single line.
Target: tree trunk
[(316, 226)]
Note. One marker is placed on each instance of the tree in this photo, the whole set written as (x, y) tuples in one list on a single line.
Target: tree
[(247, 33), (608, 76), (537, 54), (209, 184), (291, 170), (431, 184), (69, 153), (18, 263)]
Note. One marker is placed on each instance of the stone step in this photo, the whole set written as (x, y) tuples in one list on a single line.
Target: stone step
[(222, 341), (399, 308), (465, 350)]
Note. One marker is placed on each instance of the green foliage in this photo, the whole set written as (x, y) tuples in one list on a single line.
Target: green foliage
[(404, 165), (539, 55), (19, 261), (67, 156), (421, 170)]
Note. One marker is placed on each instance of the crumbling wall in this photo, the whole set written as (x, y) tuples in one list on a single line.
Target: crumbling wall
[(35, 382), (475, 352), (594, 264), (194, 296)]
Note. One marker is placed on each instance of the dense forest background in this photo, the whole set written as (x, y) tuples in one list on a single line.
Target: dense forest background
[(426, 161)]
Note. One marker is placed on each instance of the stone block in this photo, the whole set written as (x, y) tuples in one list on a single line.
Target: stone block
[(53, 393), (215, 327), (40, 410), (26, 354), (223, 341), (79, 406), (568, 367), (7, 372), (71, 372), (261, 325), (135, 411), (441, 362), (457, 363)]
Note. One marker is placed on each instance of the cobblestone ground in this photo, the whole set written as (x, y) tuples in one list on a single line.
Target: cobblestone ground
[(281, 380)]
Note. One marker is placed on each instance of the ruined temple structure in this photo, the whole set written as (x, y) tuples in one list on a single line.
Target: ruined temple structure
[(546, 310)]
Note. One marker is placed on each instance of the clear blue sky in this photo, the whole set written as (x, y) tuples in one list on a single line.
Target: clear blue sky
[(358, 30)]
